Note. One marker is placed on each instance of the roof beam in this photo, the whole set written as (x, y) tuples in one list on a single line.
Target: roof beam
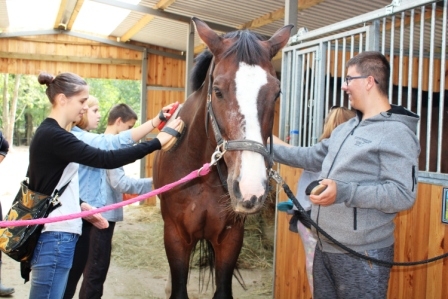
[(75, 13), (162, 4), (277, 15), (72, 59), (61, 11), (136, 28), (162, 14)]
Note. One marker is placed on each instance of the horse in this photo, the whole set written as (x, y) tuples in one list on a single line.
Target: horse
[(228, 120)]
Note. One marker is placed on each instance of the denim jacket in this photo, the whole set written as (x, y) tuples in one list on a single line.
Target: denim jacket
[(90, 178), (118, 183)]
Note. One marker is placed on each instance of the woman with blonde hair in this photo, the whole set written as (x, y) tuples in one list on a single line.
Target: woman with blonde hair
[(336, 116)]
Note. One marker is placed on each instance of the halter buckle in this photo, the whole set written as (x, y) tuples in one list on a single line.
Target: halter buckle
[(274, 174), (219, 152)]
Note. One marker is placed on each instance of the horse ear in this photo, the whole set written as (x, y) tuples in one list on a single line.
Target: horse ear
[(208, 36), (279, 39)]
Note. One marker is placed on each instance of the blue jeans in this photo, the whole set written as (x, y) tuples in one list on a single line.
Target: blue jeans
[(51, 263)]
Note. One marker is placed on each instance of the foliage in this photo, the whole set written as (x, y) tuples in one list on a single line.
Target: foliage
[(112, 92)]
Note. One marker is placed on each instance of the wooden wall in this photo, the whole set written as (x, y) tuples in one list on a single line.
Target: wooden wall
[(419, 235), (62, 53)]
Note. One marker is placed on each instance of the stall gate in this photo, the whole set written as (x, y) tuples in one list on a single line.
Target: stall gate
[(412, 35)]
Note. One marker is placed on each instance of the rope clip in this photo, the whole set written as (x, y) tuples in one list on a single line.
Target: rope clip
[(274, 174), (219, 152)]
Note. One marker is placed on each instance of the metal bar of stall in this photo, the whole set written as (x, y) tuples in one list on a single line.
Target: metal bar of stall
[(400, 65), (430, 86), (320, 86), (328, 77), (313, 99), (361, 40), (442, 88), (294, 128), (411, 60), (307, 114), (344, 46), (383, 37), (391, 56), (285, 96), (420, 72), (335, 71)]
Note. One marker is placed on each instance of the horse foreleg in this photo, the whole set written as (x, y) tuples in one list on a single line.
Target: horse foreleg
[(178, 254), (226, 256)]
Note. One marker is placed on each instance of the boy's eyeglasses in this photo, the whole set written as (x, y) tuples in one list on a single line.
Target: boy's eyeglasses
[(349, 78)]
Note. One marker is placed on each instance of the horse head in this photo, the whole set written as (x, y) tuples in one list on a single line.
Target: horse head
[(242, 91)]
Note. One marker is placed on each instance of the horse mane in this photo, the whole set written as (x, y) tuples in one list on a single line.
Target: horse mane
[(245, 49), (199, 71)]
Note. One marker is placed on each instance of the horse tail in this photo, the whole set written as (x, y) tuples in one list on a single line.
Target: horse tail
[(206, 260)]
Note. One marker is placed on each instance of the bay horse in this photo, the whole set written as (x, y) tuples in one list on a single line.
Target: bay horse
[(228, 116)]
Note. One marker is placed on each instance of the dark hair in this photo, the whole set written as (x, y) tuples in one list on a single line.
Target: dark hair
[(68, 84), (375, 64), (122, 111)]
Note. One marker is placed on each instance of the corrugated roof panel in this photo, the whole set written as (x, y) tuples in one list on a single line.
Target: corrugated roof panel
[(163, 32), (4, 20), (230, 12), (127, 23)]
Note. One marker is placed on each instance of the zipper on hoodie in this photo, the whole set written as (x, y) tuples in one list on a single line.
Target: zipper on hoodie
[(414, 178)]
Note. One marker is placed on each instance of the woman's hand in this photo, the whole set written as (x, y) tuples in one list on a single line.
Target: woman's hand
[(165, 137), (163, 115)]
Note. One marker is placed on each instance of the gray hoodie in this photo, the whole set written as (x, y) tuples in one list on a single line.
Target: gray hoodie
[(374, 163)]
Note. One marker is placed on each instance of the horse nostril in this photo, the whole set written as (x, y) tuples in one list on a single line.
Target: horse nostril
[(249, 204), (236, 189)]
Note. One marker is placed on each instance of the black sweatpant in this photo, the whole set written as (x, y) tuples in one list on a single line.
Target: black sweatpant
[(98, 261)]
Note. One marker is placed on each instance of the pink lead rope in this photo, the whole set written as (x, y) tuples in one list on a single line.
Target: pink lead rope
[(205, 169)]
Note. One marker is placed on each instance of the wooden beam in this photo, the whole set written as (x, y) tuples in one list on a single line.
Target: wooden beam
[(199, 48), (264, 20), (75, 13), (277, 15), (162, 4), (61, 10), (72, 59), (136, 28)]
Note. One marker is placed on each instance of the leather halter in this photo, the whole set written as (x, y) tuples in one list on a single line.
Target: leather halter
[(224, 145)]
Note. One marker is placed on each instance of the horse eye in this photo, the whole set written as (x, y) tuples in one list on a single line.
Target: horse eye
[(217, 92)]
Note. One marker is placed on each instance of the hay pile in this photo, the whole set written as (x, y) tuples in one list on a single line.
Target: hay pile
[(138, 242)]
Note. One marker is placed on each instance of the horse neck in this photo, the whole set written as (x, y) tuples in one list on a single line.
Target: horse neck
[(198, 121)]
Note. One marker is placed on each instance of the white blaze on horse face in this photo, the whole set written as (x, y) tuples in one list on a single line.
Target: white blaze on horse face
[(248, 81)]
